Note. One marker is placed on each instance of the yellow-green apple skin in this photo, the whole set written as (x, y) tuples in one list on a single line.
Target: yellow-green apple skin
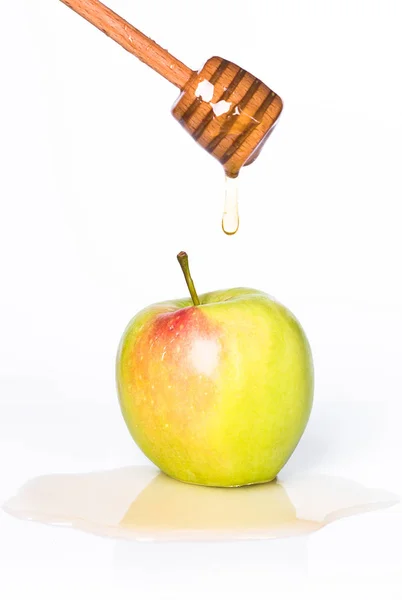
[(217, 394)]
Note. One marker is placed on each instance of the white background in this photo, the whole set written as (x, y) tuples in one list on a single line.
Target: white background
[(100, 188)]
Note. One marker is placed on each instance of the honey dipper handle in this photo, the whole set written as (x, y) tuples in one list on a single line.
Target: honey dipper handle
[(132, 40)]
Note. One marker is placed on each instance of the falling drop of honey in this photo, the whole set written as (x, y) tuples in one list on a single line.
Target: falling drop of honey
[(230, 219)]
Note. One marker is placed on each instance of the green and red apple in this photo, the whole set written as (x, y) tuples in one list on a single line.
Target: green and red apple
[(216, 390)]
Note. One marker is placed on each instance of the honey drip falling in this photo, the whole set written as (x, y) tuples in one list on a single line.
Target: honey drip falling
[(230, 219)]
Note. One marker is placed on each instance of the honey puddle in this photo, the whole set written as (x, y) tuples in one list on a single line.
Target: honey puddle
[(140, 503)]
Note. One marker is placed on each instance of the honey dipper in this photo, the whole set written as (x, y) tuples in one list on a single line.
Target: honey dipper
[(228, 111)]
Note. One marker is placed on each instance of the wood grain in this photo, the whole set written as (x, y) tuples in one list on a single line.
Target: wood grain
[(133, 40), (236, 135), (232, 126)]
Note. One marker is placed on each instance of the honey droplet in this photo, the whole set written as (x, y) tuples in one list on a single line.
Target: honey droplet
[(230, 219)]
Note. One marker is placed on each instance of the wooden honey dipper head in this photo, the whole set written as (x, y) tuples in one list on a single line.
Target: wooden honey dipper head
[(229, 112), (225, 109)]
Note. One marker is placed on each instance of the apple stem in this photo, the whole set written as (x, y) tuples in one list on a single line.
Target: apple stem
[(183, 261)]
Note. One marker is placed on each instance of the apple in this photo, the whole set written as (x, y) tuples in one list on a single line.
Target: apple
[(216, 390)]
